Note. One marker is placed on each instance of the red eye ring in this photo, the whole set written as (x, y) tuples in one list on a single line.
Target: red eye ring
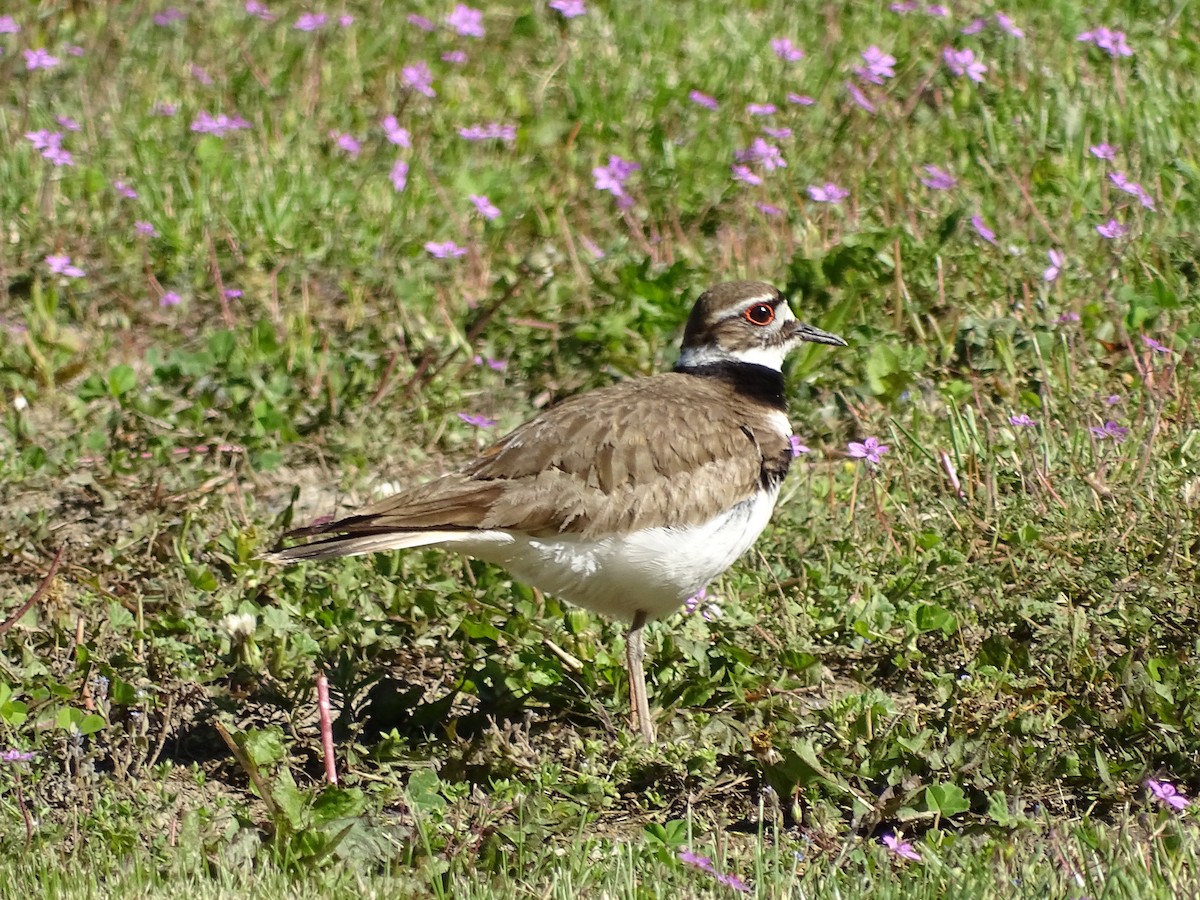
[(760, 314)]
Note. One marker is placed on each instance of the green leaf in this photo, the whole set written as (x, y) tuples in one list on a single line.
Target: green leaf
[(91, 723), (946, 799), (931, 617), (121, 380), (264, 747), (423, 791), (337, 803)]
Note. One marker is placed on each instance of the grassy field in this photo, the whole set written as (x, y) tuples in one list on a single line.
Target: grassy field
[(262, 262)]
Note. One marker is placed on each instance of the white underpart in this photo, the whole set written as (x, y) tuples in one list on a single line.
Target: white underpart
[(653, 570)]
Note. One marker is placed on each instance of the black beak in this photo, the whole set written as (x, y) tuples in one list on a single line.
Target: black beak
[(806, 332)]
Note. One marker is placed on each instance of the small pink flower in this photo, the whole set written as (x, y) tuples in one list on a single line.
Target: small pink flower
[(399, 176), (170, 298), (484, 206), (1056, 265), (39, 58), (61, 265), (445, 249), (827, 193), (702, 99), (982, 229), (901, 848)]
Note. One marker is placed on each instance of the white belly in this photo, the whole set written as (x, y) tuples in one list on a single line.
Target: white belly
[(653, 570)]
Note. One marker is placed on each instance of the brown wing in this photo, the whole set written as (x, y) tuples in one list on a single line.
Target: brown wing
[(670, 448)]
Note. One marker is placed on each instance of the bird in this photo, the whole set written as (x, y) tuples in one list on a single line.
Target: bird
[(625, 500)]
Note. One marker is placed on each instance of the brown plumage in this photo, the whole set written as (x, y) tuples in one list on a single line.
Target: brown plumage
[(628, 499)]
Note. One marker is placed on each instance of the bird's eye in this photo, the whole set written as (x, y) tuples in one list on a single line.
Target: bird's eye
[(760, 314)]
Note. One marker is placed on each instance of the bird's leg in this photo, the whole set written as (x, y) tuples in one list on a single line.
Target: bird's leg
[(639, 702)]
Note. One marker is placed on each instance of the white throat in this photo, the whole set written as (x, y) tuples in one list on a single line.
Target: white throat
[(771, 357)]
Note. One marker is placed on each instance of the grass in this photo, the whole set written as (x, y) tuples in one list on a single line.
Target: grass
[(986, 643)]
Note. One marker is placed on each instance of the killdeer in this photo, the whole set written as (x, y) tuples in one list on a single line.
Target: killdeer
[(625, 500)]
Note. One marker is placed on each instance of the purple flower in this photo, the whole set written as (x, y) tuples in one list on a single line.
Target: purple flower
[(169, 16), (1022, 420), (1110, 429), (58, 156), (202, 76), (1056, 265), (778, 133), (1067, 318), (145, 229), (786, 50), (901, 848), (419, 78), (74, 50), (68, 123), (8, 25), (14, 756), (310, 22), (44, 139), (232, 293), (1154, 345), (492, 131), (937, 179), (878, 66), (163, 108), (219, 125), (687, 857), (732, 881), (445, 250), (1112, 42), (169, 299), (800, 99), (420, 22), (345, 21), (395, 134), (974, 27), (1121, 180), (904, 7), (870, 450), (1112, 400), (859, 97), (1103, 151), (764, 153), (827, 193), (39, 58), (796, 447), (455, 57), (61, 265), (1112, 229), (466, 21), (963, 62), (399, 176), (981, 229), (568, 9), (484, 206), (761, 109), (613, 176), (701, 99), (477, 421), (496, 365), (745, 174), (768, 210), (937, 11), (1166, 793), (347, 143), (1008, 26), (259, 10)]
